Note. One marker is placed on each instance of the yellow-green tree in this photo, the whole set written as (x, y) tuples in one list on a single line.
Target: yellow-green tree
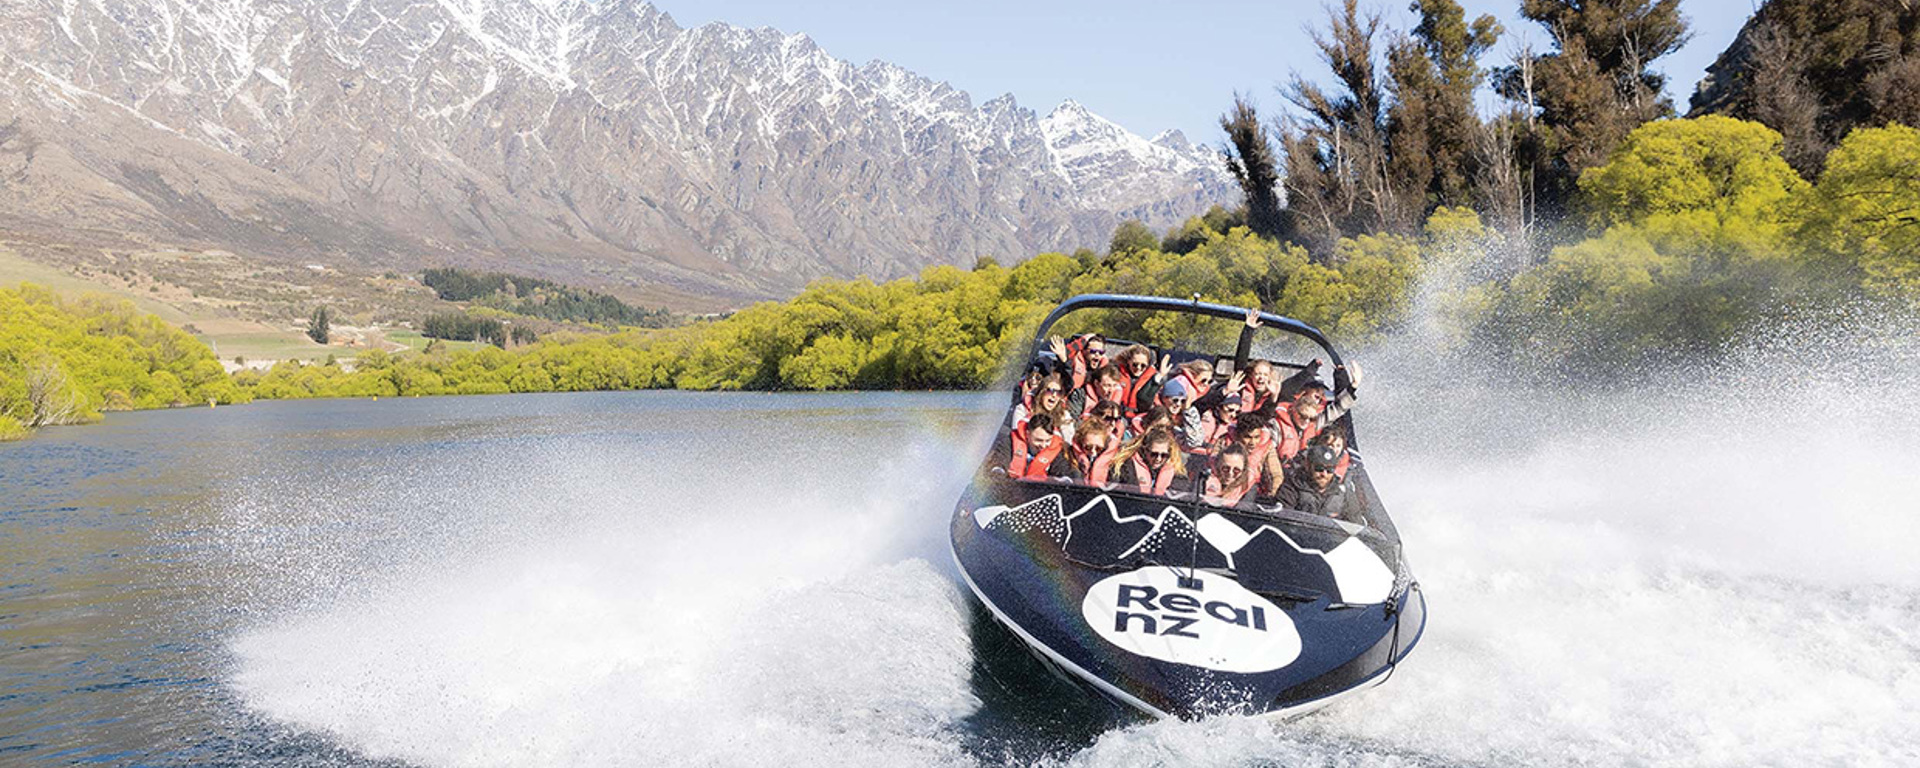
[(1730, 168), (1695, 250), (1865, 209)]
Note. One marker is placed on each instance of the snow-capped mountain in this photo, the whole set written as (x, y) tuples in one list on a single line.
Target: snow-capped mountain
[(588, 140)]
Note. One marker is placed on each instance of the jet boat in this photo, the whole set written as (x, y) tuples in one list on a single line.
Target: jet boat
[(1174, 604)]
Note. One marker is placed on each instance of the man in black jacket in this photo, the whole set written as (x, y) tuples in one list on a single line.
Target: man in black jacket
[(1314, 486)]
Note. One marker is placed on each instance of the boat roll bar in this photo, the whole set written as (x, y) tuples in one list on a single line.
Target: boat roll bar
[(1190, 306)]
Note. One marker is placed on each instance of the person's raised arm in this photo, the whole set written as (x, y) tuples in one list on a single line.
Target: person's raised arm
[(1346, 380), (1244, 350), (1212, 398)]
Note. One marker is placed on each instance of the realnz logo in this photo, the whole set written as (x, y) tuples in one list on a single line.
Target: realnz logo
[(1221, 625)]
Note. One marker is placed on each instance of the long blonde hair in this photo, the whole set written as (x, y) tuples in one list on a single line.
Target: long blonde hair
[(1149, 437)]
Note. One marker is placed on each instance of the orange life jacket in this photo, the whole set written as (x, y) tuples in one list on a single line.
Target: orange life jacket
[(1252, 399)]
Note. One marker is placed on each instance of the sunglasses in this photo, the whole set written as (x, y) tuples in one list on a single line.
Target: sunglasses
[(1096, 353), (1322, 470), (1163, 455), (1232, 470), (1053, 390)]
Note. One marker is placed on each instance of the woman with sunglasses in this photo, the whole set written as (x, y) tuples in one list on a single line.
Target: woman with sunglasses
[(1151, 463), (1232, 478), (1142, 379), (1115, 418), (1049, 398), (1090, 459)]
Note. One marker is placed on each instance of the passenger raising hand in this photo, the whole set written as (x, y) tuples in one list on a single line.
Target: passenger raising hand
[(1346, 378)]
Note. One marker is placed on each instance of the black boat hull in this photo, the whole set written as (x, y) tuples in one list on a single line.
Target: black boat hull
[(1166, 610)]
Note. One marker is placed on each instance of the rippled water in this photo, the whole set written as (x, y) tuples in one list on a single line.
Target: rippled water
[(1660, 575)]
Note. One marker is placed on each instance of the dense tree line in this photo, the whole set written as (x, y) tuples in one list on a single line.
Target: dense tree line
[(460, 326), (1392, 132), (1814, 70), (544, 299), (64, 361), (1697, 230)]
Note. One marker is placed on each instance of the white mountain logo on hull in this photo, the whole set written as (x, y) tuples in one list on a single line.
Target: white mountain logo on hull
[(1358, 572)]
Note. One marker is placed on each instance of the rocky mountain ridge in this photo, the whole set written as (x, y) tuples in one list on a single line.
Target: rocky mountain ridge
[(593, 142)]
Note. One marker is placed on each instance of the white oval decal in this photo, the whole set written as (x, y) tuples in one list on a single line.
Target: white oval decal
[(1218, 625)]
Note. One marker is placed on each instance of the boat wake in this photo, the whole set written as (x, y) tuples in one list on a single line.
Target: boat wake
[(1715, 570), (714, 616)]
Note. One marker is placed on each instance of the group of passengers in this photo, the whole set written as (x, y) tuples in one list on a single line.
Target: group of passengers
[(1126, 422)]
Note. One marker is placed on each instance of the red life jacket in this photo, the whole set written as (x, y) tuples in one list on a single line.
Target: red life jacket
[(1160, 482), (1130, 397), (1018, 436), (1252, 400), (1229, 499), (1034, 468), (1291, 439), (1077, 360)]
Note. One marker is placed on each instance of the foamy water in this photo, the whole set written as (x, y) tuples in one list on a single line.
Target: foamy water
[(1711, 569)]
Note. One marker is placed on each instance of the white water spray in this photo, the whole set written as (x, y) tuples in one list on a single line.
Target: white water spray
[(1703, 568)]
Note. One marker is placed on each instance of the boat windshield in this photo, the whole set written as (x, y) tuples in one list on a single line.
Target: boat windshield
[(1191, 407)]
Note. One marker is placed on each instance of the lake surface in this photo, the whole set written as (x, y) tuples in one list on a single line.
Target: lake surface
[(679, 578)]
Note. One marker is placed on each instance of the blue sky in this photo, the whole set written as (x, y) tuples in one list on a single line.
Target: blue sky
[(1145, 65)]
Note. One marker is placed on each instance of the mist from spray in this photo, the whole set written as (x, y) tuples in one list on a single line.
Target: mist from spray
[(1704, 564), (758, 590), (1698, 565)]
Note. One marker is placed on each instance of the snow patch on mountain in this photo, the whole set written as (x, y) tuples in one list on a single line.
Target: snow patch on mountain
[(580, 132)]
